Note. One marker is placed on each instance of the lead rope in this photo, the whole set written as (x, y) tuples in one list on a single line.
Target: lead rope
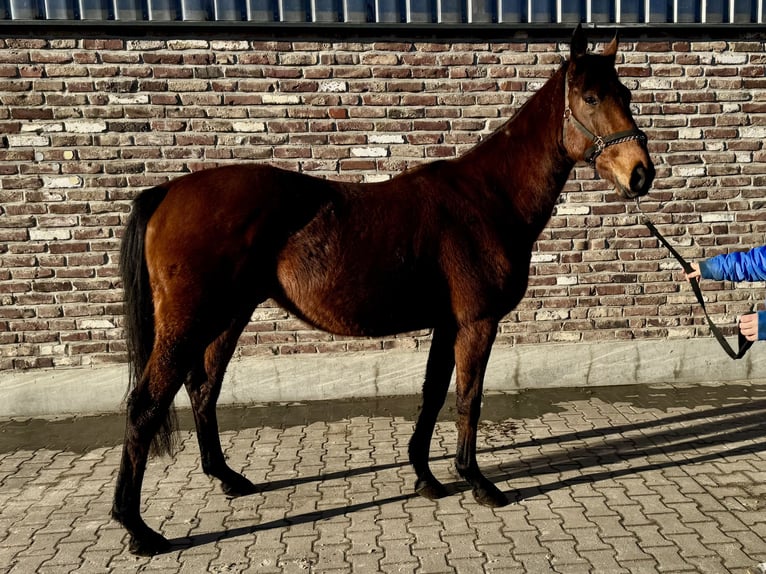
[(744, 344)]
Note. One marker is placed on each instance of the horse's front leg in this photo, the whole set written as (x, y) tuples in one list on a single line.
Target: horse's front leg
[(472, 348)]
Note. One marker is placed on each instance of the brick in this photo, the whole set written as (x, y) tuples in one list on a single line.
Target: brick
[(366, 110)]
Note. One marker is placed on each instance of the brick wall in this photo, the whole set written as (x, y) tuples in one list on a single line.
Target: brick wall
[(87, 123)]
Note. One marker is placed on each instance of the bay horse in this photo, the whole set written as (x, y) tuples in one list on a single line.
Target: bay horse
[(444, 246)]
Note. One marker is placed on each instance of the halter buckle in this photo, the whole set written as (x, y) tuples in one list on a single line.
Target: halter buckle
[(599, 144)]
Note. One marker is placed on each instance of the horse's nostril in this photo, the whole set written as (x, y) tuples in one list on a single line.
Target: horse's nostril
[(638, 178), (641, 179)]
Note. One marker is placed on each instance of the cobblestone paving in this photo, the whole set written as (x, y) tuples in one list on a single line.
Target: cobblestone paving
[(619, 480)]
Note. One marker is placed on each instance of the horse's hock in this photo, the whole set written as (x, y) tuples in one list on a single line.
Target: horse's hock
[(89, 121)]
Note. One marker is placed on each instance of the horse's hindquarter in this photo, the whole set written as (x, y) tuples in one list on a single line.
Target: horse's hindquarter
[(217, 235)]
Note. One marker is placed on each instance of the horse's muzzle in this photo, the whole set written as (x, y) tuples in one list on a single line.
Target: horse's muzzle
[(641, 180)]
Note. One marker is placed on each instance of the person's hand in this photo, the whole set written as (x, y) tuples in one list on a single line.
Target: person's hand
[(748, 326), (695, 272)]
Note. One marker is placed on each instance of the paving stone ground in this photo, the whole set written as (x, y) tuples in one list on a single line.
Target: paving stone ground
[(661, 479)]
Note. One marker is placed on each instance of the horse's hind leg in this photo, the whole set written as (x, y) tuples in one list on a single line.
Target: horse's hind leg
[(148, 406), (204, 389), (441, 363)]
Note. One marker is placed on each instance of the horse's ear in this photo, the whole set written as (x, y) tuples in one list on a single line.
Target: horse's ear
[(611, 48), (579, 46)]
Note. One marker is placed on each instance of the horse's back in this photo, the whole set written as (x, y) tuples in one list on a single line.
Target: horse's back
[(352, 259)]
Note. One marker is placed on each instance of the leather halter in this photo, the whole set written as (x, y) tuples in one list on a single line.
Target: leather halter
[(599, 143)]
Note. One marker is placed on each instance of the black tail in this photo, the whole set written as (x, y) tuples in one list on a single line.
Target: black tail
[(139, 307)]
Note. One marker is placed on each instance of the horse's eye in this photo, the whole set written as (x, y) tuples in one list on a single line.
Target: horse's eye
[(590, 99)]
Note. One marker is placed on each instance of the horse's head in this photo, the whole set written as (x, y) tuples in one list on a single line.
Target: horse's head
[(598, 124)]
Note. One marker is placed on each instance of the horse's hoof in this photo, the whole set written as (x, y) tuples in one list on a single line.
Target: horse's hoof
[(237, 486), (149, 544), (489, 495), (430, 489)]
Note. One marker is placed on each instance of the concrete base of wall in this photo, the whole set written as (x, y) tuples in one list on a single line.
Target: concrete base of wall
[(62, 392)]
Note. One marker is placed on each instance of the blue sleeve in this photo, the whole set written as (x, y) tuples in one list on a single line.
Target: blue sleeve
[(738, 266)]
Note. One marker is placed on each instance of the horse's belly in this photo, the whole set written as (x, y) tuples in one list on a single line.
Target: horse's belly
[(345, 303)]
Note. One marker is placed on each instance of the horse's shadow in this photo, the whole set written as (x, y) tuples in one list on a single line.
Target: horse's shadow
[(704, 430)]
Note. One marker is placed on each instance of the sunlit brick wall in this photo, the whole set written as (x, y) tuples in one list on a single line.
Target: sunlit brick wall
[(87, 123)]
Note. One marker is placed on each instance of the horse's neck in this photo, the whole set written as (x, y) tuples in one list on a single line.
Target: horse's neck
[(524, 159)]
